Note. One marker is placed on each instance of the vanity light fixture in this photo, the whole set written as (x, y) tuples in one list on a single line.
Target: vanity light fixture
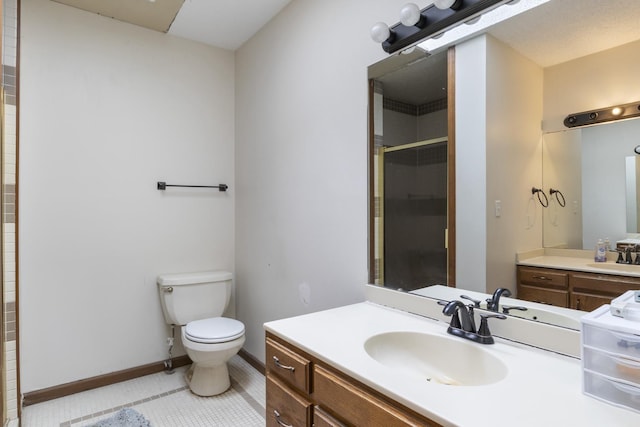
[(617, 112), (439, 16)]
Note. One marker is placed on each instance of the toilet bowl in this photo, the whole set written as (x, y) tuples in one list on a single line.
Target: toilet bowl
[(210, 343), (196, 302)]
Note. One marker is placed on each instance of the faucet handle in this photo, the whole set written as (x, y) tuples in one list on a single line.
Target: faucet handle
[(476, 303), (507, 308), (483, 331)]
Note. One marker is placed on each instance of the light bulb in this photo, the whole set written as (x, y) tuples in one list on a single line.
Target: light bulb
[(410, 14), (380, 32), (444, 4), (616, 111)]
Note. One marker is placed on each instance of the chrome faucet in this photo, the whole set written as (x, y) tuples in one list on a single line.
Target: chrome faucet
[(493, 303)]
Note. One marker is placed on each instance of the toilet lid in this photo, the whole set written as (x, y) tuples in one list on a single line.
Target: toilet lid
[(214, 330)]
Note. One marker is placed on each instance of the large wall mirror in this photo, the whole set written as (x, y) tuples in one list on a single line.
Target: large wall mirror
[(585, 165)]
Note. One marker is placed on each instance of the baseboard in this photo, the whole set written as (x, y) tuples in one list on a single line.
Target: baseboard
[(62, 390), (258, 365)]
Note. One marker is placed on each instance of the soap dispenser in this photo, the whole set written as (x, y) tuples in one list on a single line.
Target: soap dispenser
[(601, 252)]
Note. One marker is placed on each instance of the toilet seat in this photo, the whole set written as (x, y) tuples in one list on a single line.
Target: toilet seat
[(214, 330)]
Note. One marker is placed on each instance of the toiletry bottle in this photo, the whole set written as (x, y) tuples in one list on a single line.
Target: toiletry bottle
[(601, 253), (607, 244)]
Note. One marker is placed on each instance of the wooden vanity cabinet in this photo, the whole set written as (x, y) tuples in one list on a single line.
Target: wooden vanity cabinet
[(589, 290), (572, 289), (543, 285), (323, 396)]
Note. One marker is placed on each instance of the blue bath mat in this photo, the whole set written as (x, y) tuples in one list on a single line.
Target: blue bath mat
[(126, 417)]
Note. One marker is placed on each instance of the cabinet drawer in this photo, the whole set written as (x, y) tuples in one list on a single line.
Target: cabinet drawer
[(612, 391), (322, 419), (285, 407), (622, 343), (543, 278), (545, 296), (285, 363), (604, 285), (356, 406), (611, 365)]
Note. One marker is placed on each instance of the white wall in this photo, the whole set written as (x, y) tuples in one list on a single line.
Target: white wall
[(107, 109), (471, 164), (514, 150), (498, 110), (595, 81), (301, 156)]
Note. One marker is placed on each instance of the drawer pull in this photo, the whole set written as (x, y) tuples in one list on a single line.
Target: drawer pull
[(280, 422), (281, 366), (626, 362), (542, 278), (635, 391)]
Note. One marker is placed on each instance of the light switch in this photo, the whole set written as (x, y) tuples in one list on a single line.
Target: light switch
[(498, 208)]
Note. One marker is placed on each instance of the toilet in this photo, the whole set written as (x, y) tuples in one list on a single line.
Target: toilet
[(196, 302)]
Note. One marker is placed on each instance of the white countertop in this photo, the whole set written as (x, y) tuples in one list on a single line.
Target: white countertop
[(576, 260), (541, 388)]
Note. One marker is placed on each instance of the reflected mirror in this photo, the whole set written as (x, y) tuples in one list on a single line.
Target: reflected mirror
[(594, 168)]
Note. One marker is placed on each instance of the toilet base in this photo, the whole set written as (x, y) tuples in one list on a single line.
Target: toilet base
[(208, 380)]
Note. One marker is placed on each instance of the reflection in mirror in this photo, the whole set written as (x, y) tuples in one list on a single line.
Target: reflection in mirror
[(590, 167), (549, 314), (410, 170)]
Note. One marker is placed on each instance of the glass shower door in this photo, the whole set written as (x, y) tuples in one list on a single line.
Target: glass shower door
[(415, 214)]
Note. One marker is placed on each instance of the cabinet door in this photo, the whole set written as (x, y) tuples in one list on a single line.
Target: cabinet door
[(285, 407), (356, 406), (586, 302)]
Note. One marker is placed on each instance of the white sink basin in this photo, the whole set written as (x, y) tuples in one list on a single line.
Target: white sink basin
[(623, 268), (437, 359), (552, 318)]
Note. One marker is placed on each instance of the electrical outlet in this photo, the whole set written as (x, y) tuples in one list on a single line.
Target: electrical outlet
[(498, 208)]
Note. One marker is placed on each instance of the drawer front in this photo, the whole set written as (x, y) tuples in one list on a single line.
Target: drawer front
[(543, 278), (285, 407), (621, 343), (285, 363), (544, 296), (355, 406), (612, 365), (604, 285), (612, 391), (322, 419)]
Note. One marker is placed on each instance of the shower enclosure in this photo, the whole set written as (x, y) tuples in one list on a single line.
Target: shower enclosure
[(414, 214)]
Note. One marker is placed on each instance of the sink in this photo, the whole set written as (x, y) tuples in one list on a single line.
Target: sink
[(552, 318), (436, 359), (623, 268)]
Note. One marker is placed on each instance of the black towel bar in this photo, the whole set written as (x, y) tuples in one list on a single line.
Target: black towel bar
[(164, 185)]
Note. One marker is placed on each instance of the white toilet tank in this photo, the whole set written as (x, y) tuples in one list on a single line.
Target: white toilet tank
[(186, 297)]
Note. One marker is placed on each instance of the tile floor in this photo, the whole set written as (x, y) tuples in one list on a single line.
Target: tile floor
[(165, 400)]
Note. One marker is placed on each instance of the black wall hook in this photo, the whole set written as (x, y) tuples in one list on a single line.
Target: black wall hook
[(537, 191), (559, 197)]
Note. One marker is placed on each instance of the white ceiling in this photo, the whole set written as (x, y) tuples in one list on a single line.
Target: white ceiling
[(222, 23)]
